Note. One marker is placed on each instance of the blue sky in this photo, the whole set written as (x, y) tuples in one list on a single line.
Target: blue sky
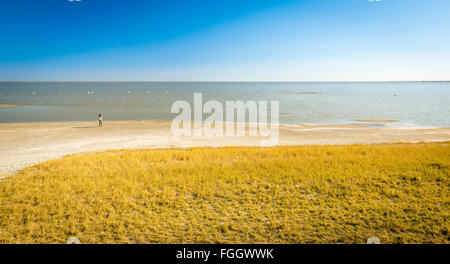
[(218, 40)]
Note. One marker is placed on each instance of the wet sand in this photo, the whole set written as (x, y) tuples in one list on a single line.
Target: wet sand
[(26, 144)]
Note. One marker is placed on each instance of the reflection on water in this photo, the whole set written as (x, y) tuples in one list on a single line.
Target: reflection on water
[(416, 103)]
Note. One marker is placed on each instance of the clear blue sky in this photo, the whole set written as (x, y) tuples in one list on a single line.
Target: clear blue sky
[(259, 40)]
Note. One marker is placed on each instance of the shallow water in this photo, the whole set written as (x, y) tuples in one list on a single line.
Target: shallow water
[(413, 103)]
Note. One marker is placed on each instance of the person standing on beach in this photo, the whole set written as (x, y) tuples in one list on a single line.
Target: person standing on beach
[(100, 119)]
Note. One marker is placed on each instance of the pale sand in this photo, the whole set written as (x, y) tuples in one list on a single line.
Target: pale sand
[(25, 144), (7, 106)]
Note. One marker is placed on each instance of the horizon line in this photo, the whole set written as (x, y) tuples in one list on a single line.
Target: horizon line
[(223, 81)]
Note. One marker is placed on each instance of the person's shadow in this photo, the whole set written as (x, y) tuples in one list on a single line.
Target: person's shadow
[(84, 127)]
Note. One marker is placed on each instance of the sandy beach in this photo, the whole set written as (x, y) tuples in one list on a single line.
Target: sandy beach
[(26, 144), (7, 106)]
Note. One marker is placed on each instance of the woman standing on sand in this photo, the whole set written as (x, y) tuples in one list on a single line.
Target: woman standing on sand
[(100, 118)]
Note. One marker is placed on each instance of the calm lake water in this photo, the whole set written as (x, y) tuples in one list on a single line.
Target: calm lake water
[(413, 103)]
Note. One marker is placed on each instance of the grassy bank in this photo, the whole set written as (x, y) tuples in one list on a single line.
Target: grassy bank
[(306, 194)]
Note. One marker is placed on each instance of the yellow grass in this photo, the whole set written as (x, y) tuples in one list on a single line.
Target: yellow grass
[(7, 106), (306, 194)]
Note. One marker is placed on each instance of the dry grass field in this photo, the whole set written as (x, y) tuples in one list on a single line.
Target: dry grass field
[(304, 194)]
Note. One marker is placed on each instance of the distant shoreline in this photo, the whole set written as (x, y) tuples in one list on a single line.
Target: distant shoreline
[(363, 122), (223, 81), (375, 120)]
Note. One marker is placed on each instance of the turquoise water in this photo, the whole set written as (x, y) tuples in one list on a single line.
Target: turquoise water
[(413, 103)]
